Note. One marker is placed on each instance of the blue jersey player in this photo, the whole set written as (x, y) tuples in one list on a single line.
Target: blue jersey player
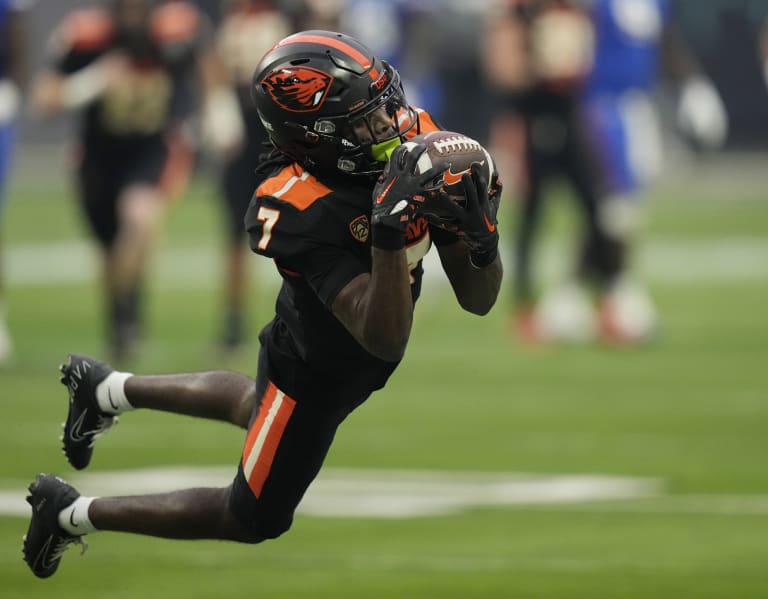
[(636, 44)]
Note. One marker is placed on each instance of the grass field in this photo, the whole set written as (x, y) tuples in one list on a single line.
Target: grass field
[(688, 414)]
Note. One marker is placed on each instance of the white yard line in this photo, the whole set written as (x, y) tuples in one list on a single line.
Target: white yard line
[(684, 262), (386, 494)]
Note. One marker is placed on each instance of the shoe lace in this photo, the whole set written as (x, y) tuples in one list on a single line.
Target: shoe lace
[(63, 543), (103, 424)]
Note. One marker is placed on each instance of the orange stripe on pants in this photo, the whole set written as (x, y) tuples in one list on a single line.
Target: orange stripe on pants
[(264, 436)]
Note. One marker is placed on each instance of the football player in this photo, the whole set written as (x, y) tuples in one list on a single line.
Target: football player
[(338, 214), (129, 68), (637, 44), (12, 76), (537, 55)]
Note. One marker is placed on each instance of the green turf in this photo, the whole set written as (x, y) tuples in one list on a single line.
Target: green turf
[(690, 410)]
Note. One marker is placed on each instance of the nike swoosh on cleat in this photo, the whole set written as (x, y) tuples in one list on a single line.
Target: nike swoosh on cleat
[(75, 433), (382, 195), (42, 555)]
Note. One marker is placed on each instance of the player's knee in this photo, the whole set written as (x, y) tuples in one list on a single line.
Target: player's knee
[(265, 527), (259, 520), (275, 527)]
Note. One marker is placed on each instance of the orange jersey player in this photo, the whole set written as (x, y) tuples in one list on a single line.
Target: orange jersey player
[(338, 214)]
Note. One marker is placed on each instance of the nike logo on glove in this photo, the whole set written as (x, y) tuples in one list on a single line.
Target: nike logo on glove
[(489, 224), (383, 194)]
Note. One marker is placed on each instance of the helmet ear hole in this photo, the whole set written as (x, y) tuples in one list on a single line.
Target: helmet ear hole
[(301, 132)]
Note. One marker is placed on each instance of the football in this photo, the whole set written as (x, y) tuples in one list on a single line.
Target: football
[(456, 150)]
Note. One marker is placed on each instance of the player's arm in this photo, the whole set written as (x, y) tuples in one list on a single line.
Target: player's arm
[(476, 288), (78, 69), (701, 113), (472, 262), (377, 307), (223, 130)]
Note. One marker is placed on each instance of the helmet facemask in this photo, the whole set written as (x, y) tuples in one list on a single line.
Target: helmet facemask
[(368, 135)]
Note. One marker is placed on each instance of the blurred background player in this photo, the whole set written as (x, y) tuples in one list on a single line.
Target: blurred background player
[(637, 47), (577, 100), (12, 77), (403, 33), (247, 31), (132, 67), (537, 54)]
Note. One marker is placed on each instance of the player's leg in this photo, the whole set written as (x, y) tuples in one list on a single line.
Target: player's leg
[(625, 134), (98, 393), (285, 446), (147, 183), (98, 184), (601, 257), (283, 452), (238, 185), (529, 213)]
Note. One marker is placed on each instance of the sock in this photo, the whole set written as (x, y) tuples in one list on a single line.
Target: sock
[(74, 518), (110, 393)]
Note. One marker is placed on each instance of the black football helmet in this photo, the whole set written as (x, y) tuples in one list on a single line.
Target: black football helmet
[(326, 100)]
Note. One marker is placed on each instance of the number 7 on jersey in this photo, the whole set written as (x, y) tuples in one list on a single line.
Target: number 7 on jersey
[(269, 216)]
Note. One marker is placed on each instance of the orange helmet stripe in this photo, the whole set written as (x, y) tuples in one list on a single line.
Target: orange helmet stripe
[(350, 51)]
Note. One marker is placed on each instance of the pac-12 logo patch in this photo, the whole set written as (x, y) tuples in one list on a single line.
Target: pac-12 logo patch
[(298, 89), (360, 228)]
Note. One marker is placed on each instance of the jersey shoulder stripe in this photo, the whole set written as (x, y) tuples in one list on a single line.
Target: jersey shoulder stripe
[(426, 124), (295, 186)]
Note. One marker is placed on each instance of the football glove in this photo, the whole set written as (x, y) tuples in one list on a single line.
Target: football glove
[(399, 187), (474, 221)]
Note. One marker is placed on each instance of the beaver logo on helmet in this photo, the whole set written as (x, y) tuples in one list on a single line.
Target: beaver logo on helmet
[(299, 89)]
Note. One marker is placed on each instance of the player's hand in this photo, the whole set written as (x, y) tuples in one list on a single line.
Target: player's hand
[(474, 222), (701, 113), (397, 191)]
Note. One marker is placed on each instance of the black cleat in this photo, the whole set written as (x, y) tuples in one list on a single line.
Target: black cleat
[(85, 421), (45, 540)]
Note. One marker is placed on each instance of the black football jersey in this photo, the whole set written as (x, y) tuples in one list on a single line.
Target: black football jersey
[(317, 231)]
